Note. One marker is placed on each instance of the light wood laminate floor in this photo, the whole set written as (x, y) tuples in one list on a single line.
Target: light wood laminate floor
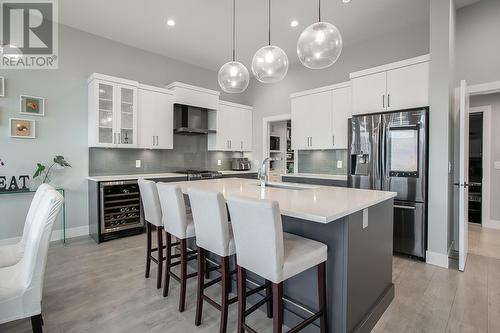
[(101, 288)]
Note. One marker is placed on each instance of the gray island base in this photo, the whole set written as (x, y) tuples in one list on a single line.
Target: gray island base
[(357, 226)]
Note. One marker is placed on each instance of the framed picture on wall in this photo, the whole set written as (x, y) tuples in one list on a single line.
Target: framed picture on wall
[(2, 86), (22, 128), (31, 105)]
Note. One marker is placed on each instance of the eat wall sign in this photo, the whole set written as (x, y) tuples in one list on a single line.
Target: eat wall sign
[(14, 183)]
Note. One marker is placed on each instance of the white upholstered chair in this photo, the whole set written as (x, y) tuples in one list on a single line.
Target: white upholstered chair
[(12, 253), (21, 284), (264, 249), (178, 223), (213, 234), (153, 217)]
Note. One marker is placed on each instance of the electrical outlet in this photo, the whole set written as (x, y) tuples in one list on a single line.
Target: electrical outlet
[(137, 163), (339, 164), (219, 162), (497, 165)]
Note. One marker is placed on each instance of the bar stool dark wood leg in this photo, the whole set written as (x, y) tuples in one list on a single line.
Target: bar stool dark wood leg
[(168, 260), (242, 298), (159, 234), (269, 291), (201, 282), (183, 277), (226, 281), (278, 307), (322, 296), (148, 249), (36, 324)]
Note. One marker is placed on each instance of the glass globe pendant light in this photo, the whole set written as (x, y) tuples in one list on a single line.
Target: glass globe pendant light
[(320, 44), (233, 75), (270, 63)]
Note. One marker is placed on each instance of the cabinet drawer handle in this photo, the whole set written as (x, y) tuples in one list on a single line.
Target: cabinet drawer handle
[(405, 207), (333, 140)]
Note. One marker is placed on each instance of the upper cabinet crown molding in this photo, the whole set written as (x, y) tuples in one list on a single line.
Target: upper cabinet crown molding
[(393, 65), (195, 96), (236, 105), (112, 79), (345, 84), (156, 89)]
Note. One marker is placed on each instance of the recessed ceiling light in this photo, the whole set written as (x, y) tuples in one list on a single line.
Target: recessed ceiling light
[(346, 1), (294, 23), (170, 23)]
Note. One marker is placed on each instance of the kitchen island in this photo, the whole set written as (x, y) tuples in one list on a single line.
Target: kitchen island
[(357, 226)]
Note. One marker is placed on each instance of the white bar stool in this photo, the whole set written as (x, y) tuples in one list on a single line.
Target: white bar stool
[(153, 217), (178, 223), (264, 249)]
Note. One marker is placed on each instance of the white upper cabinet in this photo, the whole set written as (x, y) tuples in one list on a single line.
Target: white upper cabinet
[(342, 111), (408, 87), (319, 118), (368, 93), (233, 127), (155, 118), (112, 116), (396, 86)]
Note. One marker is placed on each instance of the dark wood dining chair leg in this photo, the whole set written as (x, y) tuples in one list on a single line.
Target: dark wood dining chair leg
[(201, 282), (182, 296), (270, 302), (226, 282), (159, 233), (322, 296), (41, 318), (207, 269), (148, 249), (168, 260), (241, 298), (277, 307), (36, 323)]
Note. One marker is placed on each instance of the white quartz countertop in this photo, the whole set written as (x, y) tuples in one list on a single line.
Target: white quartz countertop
[(315, 203), (113, 178), (316, 176), (233, 172)]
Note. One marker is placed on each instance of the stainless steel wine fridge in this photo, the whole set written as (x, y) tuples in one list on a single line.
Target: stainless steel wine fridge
[(119, 210)]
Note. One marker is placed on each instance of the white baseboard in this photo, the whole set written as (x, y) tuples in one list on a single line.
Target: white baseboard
[(437, 259), (56, 235), (492, 224)]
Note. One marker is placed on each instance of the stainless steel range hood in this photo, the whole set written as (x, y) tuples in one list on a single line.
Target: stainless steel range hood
[(190, 120)]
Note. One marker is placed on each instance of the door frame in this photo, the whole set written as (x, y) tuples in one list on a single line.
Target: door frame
[(486, 160), (266, 123)]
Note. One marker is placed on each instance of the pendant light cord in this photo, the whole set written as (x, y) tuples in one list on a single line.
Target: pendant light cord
[(234, 28), (319, 10), (269, 23)]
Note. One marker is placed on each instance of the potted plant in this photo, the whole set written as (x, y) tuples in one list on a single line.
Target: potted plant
[(41, 169)]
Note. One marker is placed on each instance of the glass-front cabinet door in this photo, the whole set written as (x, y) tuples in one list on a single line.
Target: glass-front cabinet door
[(106, 114), (126, 127)]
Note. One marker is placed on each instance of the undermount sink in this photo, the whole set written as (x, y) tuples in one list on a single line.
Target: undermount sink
[(289, 187)]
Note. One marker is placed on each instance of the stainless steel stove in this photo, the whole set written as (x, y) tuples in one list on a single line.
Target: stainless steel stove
[(200, 174)]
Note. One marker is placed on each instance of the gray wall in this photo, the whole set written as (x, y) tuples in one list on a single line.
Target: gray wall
[(477, 44), (64, 128), (494, 101), (190, 152), (274, 99)]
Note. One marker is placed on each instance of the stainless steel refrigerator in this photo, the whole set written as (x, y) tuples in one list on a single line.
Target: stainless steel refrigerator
[(389, 151)]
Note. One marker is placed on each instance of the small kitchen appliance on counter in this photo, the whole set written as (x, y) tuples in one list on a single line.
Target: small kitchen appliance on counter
[(241, 164), (200, 175)]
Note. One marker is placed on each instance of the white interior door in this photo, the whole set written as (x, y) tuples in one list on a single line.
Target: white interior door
[(463, 183)]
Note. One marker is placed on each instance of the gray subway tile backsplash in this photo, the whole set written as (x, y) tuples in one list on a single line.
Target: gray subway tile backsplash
[(323, 161), (190, 152)]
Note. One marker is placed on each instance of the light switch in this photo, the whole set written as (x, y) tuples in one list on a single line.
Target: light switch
[(365, 218), (339, 164), (497, 165), (219, 162), (137, 163)]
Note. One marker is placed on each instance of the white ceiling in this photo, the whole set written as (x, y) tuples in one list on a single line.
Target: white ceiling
[(202, 35)]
